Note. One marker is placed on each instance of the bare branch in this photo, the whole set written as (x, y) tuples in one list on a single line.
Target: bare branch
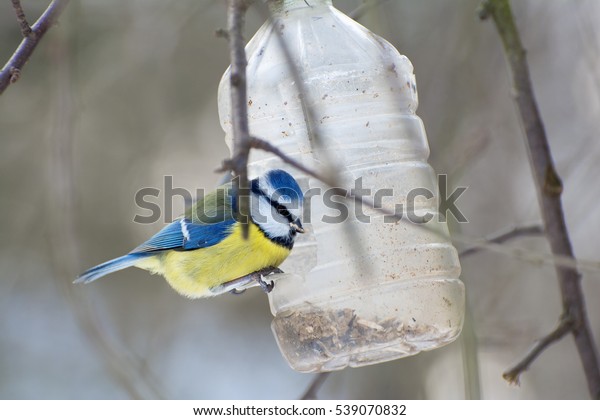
[(549, 188), (315, 385), (529, 255), (239, 112), (12, 69), (25, 28), (564, 327), (261, 144), (504, 236), (257, 143)]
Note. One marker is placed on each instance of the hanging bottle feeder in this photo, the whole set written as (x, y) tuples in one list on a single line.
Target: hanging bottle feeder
[(355, 292)]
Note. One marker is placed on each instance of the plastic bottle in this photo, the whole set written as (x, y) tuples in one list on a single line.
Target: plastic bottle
[(354, 293)]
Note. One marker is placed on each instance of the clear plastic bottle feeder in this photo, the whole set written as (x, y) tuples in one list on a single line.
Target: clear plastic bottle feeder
[(388, 289)]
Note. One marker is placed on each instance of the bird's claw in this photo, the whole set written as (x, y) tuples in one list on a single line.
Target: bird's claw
[(267, 287)]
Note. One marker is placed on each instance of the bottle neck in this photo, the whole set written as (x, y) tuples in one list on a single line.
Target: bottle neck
[(279, 7)]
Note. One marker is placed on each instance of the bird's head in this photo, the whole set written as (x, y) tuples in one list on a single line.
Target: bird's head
[(276, 206)]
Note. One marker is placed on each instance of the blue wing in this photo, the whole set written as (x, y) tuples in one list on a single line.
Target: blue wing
[(185, 235), (206, 224)]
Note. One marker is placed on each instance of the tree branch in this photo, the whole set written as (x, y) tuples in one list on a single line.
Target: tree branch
[(564, 327), (261, 144), (528, 255), (25, 28), (11, 71), (239, 112), (504, 236), (549, 189), (256, 143)]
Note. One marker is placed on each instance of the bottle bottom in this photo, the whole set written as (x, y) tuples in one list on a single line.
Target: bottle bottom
[(372, 326)]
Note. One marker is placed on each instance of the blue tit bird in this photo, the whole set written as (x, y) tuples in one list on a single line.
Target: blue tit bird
[(203, 253)]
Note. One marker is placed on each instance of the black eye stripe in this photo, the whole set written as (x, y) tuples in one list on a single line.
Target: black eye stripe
[(280, 208)]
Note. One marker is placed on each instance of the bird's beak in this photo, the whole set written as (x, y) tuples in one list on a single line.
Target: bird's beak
[(297, 226)]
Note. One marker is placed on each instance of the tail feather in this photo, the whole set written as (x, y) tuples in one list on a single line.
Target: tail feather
[(109, 267)]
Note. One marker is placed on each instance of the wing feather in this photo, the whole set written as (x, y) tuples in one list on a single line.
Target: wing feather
[(205, 224)]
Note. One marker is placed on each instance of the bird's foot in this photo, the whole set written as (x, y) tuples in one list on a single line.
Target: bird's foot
[(267, 287), (239, 286)]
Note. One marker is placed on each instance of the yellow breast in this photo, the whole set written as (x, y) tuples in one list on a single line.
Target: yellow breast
[(193, 273)]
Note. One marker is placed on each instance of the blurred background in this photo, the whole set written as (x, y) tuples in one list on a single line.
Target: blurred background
[(121, 94)]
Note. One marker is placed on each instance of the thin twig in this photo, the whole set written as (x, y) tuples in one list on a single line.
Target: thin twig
[(504, 236), (315, 385), (261, 144), (564, 327), (25, 28), (256, 143), (549, 189), (239, 111), (528, 255), (12, 69)]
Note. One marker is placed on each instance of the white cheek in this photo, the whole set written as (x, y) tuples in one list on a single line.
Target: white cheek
[(271, 222)]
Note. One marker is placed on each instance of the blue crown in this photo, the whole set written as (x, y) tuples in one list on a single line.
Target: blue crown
[(284, 184)]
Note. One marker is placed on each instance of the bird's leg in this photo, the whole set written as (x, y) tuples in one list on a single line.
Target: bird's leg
[(239, 285)]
